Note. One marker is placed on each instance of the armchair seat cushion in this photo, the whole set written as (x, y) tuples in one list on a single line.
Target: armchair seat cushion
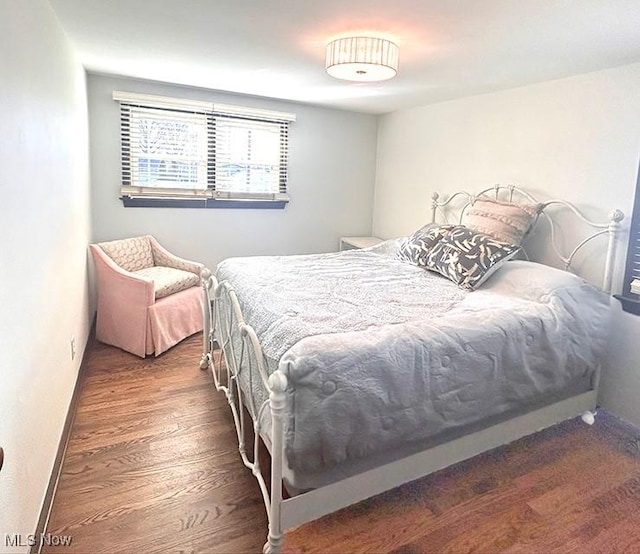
[(168, 280)]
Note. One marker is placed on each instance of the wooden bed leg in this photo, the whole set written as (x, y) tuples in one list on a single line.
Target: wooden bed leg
[(588, 417), (277, 403)]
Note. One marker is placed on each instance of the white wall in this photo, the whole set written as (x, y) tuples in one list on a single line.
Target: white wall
[(331, 178), (44, 230), (576, 138)]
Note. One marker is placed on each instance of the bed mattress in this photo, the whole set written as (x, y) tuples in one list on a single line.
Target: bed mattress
[(382, 356)]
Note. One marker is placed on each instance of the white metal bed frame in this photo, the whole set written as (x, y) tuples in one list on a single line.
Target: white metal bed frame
[(230, 330)]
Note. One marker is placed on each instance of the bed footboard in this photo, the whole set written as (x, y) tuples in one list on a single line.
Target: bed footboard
[(232, 351)]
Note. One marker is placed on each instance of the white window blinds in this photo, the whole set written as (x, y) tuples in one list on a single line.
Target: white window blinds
[(177, 148), (163, 148), (250, 157)]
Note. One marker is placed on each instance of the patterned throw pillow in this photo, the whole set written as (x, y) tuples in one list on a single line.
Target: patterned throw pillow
[(504, 221), (468, 258), (416, 247)]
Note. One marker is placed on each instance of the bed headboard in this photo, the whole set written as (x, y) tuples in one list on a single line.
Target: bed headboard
[(460, 201)]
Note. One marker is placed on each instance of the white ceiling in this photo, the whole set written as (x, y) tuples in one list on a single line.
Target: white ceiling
[(275, 48)]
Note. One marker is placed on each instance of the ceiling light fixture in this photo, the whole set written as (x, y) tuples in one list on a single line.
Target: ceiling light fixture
[(362, 59)]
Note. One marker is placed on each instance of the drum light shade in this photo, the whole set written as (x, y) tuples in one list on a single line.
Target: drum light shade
[(362, 59)]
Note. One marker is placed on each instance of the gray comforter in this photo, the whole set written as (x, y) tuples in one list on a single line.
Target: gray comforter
[(380, 353)]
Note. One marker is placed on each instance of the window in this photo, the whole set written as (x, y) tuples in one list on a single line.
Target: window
[(251, 157), (164, 149), (631, 288), (198, 154)]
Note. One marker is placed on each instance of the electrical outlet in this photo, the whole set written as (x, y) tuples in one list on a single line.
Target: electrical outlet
[(73, 348)]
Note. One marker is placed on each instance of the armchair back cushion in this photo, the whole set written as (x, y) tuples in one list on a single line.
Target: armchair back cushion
[(131, 254)]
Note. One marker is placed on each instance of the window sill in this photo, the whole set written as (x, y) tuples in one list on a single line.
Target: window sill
[(629, 305), (158, 202)]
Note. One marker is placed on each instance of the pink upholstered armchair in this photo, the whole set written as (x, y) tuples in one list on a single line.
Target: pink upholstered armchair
[(148, 299)]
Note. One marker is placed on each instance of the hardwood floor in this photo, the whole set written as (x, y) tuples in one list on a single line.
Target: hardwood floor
[(569, 489), (152, 466)]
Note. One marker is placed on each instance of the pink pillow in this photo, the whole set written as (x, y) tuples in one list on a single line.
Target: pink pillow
[(507, 222)]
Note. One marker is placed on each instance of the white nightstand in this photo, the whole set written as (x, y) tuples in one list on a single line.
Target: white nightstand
[(353, 243)]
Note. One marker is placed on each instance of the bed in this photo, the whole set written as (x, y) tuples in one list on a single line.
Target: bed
[(362, 370)]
